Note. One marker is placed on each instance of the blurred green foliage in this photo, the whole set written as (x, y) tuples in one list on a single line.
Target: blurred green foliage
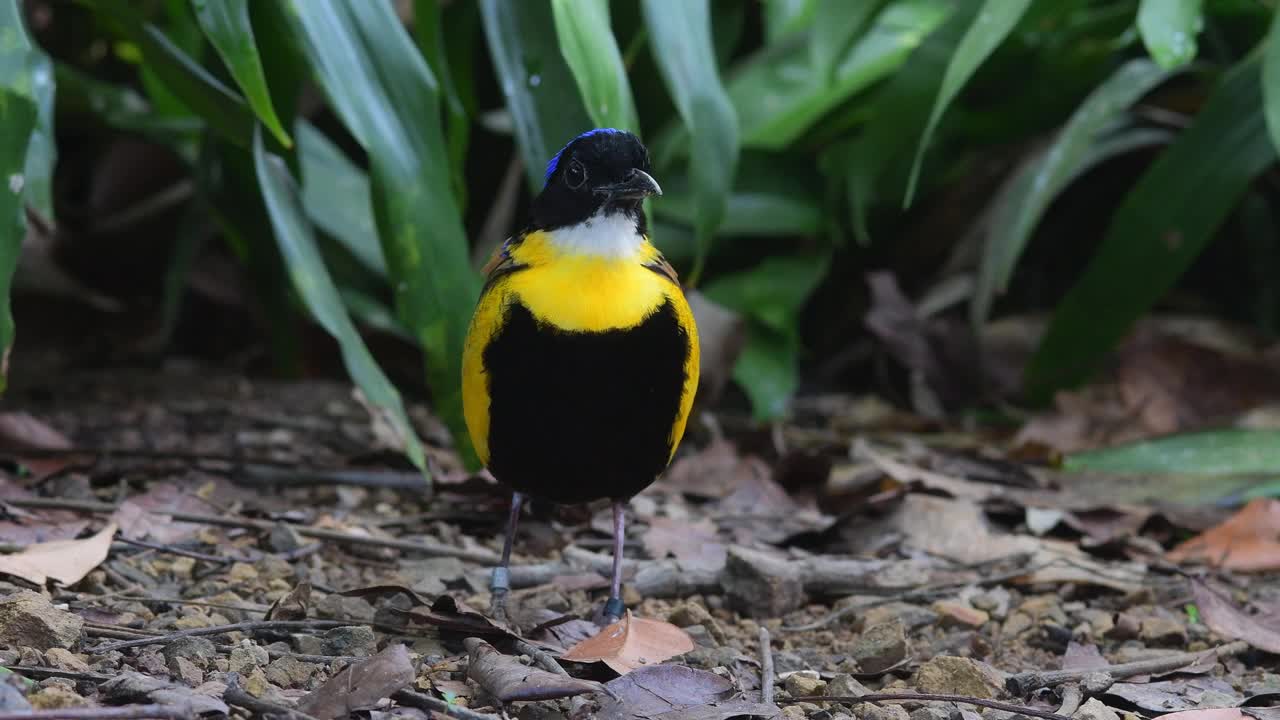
[(351, 150)]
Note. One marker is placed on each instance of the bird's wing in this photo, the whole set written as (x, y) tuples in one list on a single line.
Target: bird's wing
[(659, 264), (501, 261)]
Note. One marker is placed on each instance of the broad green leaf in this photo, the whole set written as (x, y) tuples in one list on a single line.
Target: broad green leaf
[(1215, 452), (18, 113), (219, 106), (836, 25), (538, 86), (42, 150), (120, 107), (773, 195), (1271, 80), (428, 19), (335, 194), (1043, 180), (768, 370), (1169, 29), (589, 48), (990, 27), (1158, 230), (778, 97), (384, 92), (680, 34), (227, 26), (313, 284), (783, 18)]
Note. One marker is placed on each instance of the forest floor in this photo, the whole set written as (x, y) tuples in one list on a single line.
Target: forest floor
[(259, 549)]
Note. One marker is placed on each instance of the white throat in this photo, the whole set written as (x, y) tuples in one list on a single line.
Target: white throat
[(608, 236)]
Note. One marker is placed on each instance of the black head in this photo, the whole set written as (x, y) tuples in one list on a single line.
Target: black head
[(601, 169)]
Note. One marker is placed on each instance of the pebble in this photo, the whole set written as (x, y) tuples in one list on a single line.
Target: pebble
[(242, 573), (886, 712), (1093, 709), (845, 685), (1127, 627), (186, 671), (949, 674), (1163, 631), (56, 697), (911, 616), (800, 685), (289, 671), (1100, 622), (690, 614), (196, 650), (957, 614), (29, 619), (930, 712), (307, 644), (793, 712), (182, 567), (760, 584), (247, 656), (255, 683), (880, 646), (350, 640), (65, 659)]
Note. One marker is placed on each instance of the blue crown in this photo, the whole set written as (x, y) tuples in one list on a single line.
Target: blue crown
[(555, 160)]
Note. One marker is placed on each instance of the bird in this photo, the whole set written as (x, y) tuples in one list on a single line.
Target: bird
[(581, 361)]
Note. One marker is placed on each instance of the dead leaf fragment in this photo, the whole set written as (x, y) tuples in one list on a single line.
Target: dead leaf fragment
[(632, 643), (1230, 621), (506, 679), (23, 431), (361, 686), (676, 692), (693, 543), (1206, 714), (1246, 541), (293, 606), (66, 561)]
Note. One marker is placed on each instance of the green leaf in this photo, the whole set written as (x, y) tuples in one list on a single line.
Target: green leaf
[(783, 18), (119, 107), (774, 195), (768, 370), (429, 27), (1216, 452), (18, 113), (589, 48), (1169, 29), (315, 287), (1271, 80), (42, 150), (385, 94), (992, 25), (1158, 230), (219, 106), (1043, 180), (836, 25), (536, 82), (680, 34), (335, 194), (226, 24)]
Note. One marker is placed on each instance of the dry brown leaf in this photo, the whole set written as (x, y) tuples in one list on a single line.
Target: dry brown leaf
[(693, 542), (1206, 714), (22, 431), (361, 686), (508, 680), (631, 643), (1247, 541), (712, 472), (676, 692), (66, 561), (1223, 617)]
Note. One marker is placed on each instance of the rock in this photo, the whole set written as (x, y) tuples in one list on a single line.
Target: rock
[(256, 683), (429, 576), (289, 671), (948, 674), (12, 699), (794, 712), (1044, 607), (1127, 627), (880, 647), (911, 616), (183, 568), (957, 614), (802, 685), (886, 712), (56, 697), (247, 656), (845, 685), (242, 573), (65, 660), (1016, 624), (930, 712), (1100, 622), (284, 539), (1163, 631), (186, 671), (196, 650), (1093, 709), (993, 600), (350, 640), (344, 608), (29, 619), (690, 614), (760, 584), (307, 644)]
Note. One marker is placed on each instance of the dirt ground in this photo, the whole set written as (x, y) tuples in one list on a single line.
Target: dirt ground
[(260, 549)]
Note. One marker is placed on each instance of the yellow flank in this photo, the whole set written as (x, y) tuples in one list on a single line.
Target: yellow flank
[(577, 293)]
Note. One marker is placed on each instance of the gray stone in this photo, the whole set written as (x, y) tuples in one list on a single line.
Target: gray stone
[(28, 619), (307, 644), (290, 672), (760, 584), (930, 712), (247, 656), (801, 685), (911, 616), (350, 640), (844, 685), (1093, 709), (196, 650), (880, 647), (186, 671), (885, 712), (429, 576), (1163, 631), (948, 674)]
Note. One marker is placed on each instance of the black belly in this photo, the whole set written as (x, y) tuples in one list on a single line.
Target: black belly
[(579, 416)]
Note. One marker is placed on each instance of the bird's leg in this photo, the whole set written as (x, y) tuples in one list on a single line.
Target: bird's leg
[(614, 608), (500, 584)]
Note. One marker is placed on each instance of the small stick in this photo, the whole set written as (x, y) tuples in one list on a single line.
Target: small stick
[(1024, 683), (216, 559), (221, 629), (1071, 697), (541, 657), (931, 697), (430, 704), (128, 712), (55, 672), (766, 666), (482, 557)]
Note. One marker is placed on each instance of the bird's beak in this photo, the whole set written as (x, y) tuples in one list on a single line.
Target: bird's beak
[(638, 186)]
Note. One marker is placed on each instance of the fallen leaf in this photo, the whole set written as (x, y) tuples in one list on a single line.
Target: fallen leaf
[(1082, 657), (1225, 618), (676, 692), (134, 687), (631, 643), (1246, 541), (360, 686), (66, 561), (712, 472), (38, 531), (507, 679), (446, 614), (1206, 714), (1173, 695), (146, 516), (292, 606), (22, 431), (694, 543)]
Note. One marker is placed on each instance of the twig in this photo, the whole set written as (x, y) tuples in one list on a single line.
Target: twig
[(430, 704), (541, 657), (128, 712), (483, 557), (236, 695), (766, 666), (82, 599), (930, 697), (222, 629), (218, 560), (1071, 697), (1024, 683), (58, 673)]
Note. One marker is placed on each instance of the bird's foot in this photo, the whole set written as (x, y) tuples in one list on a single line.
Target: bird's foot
[(613, 610), (499, 587)]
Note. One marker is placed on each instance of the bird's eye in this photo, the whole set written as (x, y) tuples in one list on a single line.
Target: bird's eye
[(575, 175)]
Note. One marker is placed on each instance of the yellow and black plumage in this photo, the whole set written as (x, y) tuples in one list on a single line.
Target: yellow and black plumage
[(581, 361)]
